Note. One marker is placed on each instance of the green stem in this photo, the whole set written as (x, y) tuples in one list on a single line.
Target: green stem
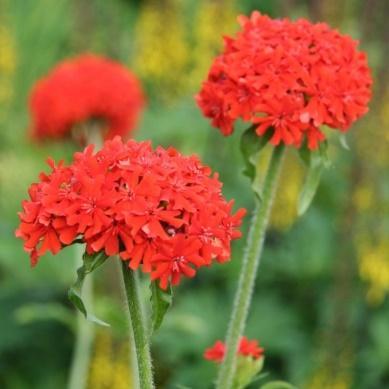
[(78, 376), (140, 338), (248, 273)]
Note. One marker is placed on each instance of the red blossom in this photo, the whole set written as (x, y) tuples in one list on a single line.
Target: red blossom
[(287, 77), (247, 348), (156, 209), (86, 88), (216, 352), (250, 348)]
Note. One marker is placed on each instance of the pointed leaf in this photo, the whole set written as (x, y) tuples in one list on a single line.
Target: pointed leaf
[(161, 300), (96, 320), (316, 166), (305, 154), (75, 297), (343, 141), (250, 145), (90, 263), (324, 154)]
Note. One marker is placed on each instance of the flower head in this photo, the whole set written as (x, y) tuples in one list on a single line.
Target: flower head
[(154, 208), (82, 89), (247, 348), (289, 78)]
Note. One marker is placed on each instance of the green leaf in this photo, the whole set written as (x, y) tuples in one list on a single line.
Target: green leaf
[(251, 144), (161, 301), (317, 161), (278, 385), (343, 141), (305, 153), (90, 263), (96, 320), (323, 147), (74, 295), (310, 185)]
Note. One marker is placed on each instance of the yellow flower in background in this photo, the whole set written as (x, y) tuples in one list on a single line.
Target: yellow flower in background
[(371, 201), (337, 377), (110, 365), (213, 20), (374, 268), (171, 58), (7, 64), (284, 211), (323, 379), (121, 377), (161, 55)]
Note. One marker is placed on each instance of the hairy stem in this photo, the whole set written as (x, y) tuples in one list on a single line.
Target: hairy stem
[(248, 273), (139, 329)]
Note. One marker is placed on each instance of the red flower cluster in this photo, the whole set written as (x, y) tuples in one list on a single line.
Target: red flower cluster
[(157, 209), (292, 77), (247, 348), (84, 88)]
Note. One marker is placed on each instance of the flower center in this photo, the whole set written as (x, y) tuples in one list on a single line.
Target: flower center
[(177, 261)]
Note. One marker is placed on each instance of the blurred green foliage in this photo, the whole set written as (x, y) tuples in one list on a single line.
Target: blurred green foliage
[(311, 310)]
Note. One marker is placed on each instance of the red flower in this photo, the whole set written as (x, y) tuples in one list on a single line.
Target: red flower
[(216, 352), (86, 88), (247, 348), (288, 77), (175, 258), (157, 209), (250, 348)]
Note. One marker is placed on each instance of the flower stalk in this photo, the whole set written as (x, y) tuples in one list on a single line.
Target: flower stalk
[(139, 329), (250, 265)]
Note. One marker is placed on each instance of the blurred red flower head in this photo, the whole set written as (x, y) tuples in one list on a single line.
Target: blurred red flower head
[(155, 208), (86, 88), (216, 352), (291, 77), (247, 348)]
